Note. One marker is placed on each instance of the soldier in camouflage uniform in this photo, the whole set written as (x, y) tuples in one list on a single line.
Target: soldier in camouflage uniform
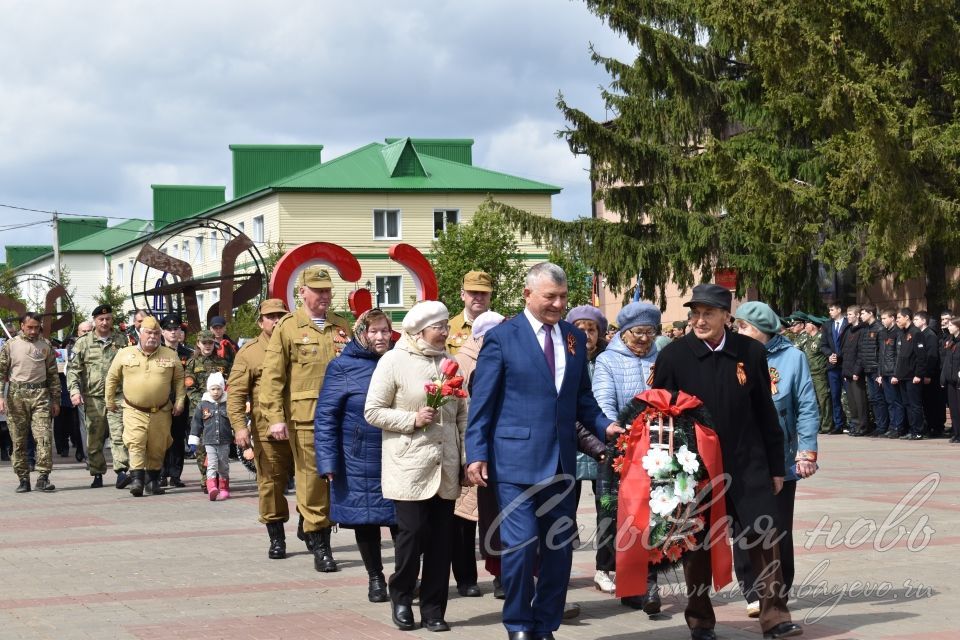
[(28, 367), (86, 376), (818, 370), (198, 368)]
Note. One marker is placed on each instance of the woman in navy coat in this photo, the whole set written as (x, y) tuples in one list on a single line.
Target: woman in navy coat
[(348, 447)]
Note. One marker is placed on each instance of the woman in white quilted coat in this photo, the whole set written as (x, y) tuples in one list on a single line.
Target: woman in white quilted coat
[(422, 462)]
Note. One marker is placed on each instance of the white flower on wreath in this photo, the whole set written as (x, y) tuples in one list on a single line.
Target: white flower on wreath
[(656, 462), (662, 501), (684, 488), (688, 460)]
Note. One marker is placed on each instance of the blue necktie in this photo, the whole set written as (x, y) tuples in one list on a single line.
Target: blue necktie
[(548, 349)]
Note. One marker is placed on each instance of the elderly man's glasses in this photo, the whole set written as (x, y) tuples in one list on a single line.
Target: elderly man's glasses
[(638, 333)]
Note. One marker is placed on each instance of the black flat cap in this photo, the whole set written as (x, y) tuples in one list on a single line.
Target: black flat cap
[(171, 321), (712, 295), (102, 309)]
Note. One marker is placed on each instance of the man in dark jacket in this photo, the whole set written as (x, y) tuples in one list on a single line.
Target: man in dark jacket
[(858, 416), (887, 359), (931, 398), (908, 374), (729, 374), (868, 367), (832, 336)]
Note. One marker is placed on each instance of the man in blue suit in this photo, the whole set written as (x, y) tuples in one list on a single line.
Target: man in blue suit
[(832, 336), (529, 389)]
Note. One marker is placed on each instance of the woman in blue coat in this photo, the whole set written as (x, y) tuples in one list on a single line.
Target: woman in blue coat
[(348, 447)]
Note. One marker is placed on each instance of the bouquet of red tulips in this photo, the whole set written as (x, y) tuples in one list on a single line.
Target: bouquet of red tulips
[(448, 385)]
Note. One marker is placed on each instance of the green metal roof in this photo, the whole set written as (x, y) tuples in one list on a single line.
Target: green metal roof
[(111, 237), (172, 202), (256, 166), (374, 167), (20, 254), (453, 149), (71, 229)]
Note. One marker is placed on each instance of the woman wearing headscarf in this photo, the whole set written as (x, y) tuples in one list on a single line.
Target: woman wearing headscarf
[(348, 447), (796, 402), (421, 462), (467, 510), (622, 371)]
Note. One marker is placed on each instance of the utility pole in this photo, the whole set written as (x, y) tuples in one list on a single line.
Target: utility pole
[(56, 247)]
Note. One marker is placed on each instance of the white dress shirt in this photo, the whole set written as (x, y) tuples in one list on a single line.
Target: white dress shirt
[(559, 355)]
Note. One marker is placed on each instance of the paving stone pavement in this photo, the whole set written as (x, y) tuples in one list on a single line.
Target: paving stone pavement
[(875, 530)]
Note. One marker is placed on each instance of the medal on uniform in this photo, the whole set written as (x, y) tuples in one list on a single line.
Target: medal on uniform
[(741, 374)]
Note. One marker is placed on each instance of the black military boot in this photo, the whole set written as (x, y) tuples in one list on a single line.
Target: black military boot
[(44, 484), (136, 484), (278, 541), (153, 485), (24, 485), (308, 540), (123, 479), (97, 481), (322, 553), (377, 588)]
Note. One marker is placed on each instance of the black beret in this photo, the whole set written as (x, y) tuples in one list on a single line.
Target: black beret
[(102, 309)]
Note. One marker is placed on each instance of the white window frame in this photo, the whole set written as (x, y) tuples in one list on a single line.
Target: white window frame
[(186, 251), (386, 304), (446, 222), (386, 226), (242, 226), (120, 272), (213, 244), (258, 230), (201, 305), (200, 256)]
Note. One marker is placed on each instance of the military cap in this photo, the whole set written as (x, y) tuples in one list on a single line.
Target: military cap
[(218, 321), (477, 281), (150, 324), (99, 310), (817, 320), (171, 321), (315, 278), (711, 295), (206, 336), (272, 305)]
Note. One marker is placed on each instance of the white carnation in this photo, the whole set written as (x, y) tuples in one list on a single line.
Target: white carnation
[(662, 501), (688, 460), (656, 461), (684, 488)]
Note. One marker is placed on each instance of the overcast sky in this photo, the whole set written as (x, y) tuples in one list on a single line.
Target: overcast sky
[(98, 100)]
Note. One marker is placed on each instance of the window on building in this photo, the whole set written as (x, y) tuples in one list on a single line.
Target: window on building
[(213, 244), (120, 272), (258, 229), (201, 305), (200, 256), (175, 250), (186, 251), (386, 224), (242, 226), (389, 291), (443, 218)]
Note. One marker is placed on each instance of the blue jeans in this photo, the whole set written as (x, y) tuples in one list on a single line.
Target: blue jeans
[(911, 395), (877, 403), (892, 395), (835, 380)]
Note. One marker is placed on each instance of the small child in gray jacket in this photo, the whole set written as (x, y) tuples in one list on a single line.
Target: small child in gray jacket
[(210, 420)]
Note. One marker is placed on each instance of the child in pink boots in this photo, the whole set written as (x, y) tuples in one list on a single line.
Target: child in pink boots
[(210, 420)]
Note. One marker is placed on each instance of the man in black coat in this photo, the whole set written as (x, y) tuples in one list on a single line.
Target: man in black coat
[(868, 366), (858, 416), (934, 413), (729, 374), (908, 373), (833, 334)]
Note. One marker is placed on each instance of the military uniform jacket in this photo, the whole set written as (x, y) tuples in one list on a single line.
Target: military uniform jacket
[(294, 366), (818, 361), (91, 360), (147, 379), (30, 361), (460, 332), (196, 371), (244, 386)]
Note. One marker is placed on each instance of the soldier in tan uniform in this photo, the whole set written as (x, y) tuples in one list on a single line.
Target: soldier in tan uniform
[(86, 377), (28, 367), (274, 458), (302, 344), (148, 374), (476, 292)]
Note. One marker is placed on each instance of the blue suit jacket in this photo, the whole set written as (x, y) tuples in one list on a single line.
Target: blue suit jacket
[(518, 423)]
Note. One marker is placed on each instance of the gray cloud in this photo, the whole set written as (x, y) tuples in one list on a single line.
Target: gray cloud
[(102, 99)]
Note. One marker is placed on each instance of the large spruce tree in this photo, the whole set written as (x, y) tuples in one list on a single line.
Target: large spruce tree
[(772, 137)]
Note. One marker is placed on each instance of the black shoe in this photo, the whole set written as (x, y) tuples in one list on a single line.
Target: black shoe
[(278, 541), (634, 602), (469, 591), (652, 602), (954, 440), (835, 431), (97, 481), (123, 479), (544, 636), (571, 610), (164, 482), (702, 634), (136, 482), (878, 434), (44, 484), (402, 616), (79, 456), (377, 589), (893, 435), (322, 553), (24, 485), (520, 635), (301, 535), (498, 592), (177, 482), (152, 487), (438, 624), (784, 630), (913, 436)]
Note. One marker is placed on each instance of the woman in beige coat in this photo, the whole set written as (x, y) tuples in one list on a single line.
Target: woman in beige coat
[(422, 462)]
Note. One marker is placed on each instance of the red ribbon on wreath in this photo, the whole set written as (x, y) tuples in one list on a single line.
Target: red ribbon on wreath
[(634, 498)]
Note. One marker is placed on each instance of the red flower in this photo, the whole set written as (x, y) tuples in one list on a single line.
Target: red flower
[(618, 464), (456, 382), (674, 553), (622, 441), (431, 387), (449, 368), (460, 393)]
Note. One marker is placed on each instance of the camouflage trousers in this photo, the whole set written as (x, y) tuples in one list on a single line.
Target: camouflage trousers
[(28, 410), (822, 390), (99, 420)]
